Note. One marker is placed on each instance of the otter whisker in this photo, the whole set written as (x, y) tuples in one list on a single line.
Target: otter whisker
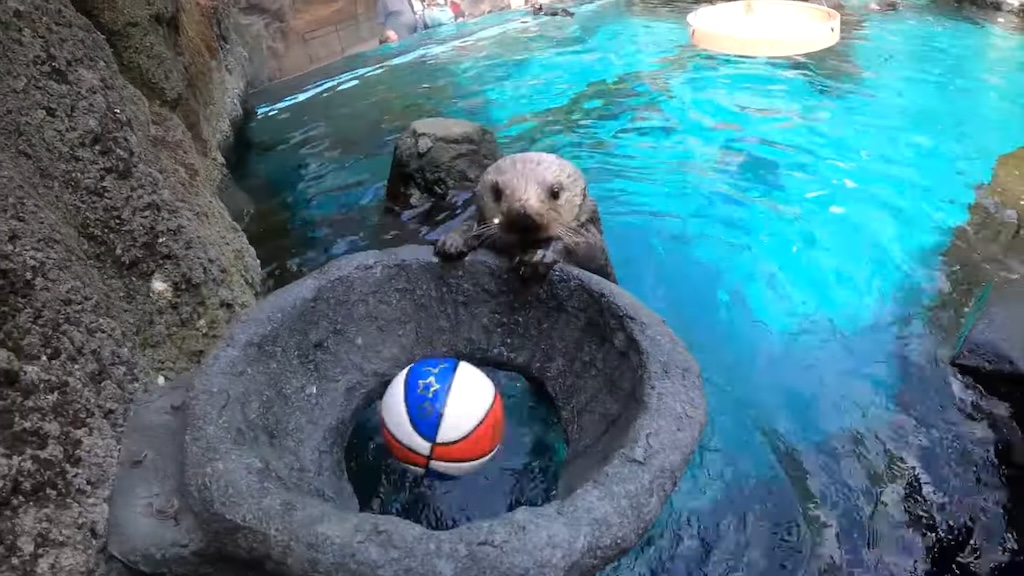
[(481, 229), (485, 232), (569, 236)]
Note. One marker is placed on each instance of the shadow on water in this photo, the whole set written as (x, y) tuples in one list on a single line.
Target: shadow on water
[(743, 201)]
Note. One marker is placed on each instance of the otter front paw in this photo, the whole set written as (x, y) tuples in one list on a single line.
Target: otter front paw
[(452, 247), (536, 264)]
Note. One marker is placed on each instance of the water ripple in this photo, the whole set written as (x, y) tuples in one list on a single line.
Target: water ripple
[(785, 217)]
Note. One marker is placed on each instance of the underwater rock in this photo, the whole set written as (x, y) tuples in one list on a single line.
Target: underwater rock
[(258, 478), (985, 264), (436, 156), (118, 267)]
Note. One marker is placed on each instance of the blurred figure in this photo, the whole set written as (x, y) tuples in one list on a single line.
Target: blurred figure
[(437, 13), (397, 17), (885, 5), (539, 10), (457, 10)]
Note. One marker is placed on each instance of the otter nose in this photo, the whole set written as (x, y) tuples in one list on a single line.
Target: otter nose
[(522, 223)]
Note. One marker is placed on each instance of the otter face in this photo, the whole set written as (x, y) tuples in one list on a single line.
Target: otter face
[(531, 197)]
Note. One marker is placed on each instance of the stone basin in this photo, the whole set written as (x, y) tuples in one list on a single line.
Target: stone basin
[(240, 470)]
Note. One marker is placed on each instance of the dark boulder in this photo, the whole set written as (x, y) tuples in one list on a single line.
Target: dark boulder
[(985, 264), (256, 478), (434, 157), (993, 349)]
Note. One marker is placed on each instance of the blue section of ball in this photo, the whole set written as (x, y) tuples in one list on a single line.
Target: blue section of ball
[(426, 390)]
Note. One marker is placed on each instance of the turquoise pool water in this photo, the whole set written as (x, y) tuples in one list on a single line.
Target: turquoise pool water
[(787, 218)]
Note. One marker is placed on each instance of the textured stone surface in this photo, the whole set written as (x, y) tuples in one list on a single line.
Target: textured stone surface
[(435, 156), (994, 347), (181, 54), (985, 264), (117, 265), (270, 410), (262, 27)]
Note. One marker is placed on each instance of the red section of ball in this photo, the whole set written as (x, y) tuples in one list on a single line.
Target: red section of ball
[(401, 452), (478, 443)]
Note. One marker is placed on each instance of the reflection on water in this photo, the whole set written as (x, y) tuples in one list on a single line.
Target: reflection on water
[(786, 218), (524, 472)]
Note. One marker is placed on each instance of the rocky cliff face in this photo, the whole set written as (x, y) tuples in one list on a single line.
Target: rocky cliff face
[(118, 265), (262, 29)]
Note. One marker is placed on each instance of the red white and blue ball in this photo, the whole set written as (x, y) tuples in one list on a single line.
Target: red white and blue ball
[(442, 416)]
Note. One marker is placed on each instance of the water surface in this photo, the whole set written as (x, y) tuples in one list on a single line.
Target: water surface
[(787, 218)]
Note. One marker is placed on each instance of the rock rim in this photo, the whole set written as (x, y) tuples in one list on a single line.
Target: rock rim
[(282, 390)]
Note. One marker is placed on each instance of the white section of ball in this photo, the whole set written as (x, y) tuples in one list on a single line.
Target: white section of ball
[(460, 468), (469, 399), (395, 415)]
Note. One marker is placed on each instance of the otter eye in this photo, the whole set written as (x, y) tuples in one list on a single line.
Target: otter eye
[(496, 191), (555, 191)]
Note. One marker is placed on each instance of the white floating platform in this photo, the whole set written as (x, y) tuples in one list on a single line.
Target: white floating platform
[(764, 27)]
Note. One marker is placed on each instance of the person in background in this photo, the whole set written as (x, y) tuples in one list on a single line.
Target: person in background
[(457, 10), (437, 13), (398, 18)]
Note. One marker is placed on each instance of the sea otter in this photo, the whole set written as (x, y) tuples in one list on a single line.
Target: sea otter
[(885, 5), (538, 10), (534, 208)]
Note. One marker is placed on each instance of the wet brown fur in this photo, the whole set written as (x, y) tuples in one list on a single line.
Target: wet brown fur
[(534, 208)]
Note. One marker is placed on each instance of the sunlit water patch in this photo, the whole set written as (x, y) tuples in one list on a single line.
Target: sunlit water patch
[(785, 217)]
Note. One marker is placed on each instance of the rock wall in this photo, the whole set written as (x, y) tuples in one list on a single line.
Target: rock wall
[(262, 27), (118, 265)]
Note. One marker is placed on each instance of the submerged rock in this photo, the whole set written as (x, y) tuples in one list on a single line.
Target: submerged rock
[(985, 264), (118, 265), (434, 157), (244, 464)]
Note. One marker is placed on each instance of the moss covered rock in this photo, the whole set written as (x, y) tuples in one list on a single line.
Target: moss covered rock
[(118, 265)]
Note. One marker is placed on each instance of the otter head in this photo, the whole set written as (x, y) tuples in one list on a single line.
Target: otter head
[(532, 197)]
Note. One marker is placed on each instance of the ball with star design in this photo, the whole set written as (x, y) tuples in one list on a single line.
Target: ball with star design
[(443, 417)]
